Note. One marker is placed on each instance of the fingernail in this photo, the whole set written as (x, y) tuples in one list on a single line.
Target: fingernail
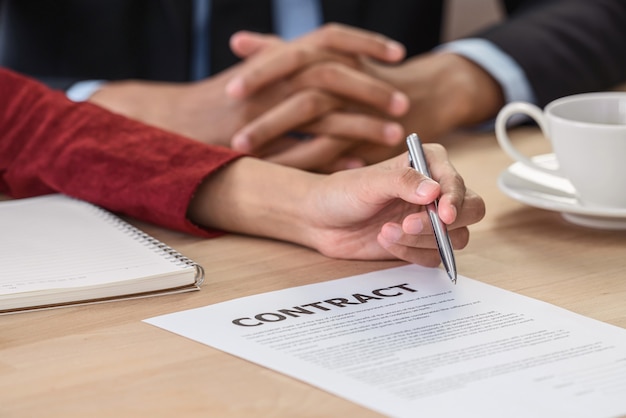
[(393, 132), (427, 188), (241, 143), (399, 103), (235, 88), (395, 50)]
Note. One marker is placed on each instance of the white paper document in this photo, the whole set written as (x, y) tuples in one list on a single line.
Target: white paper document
[(406, 342)]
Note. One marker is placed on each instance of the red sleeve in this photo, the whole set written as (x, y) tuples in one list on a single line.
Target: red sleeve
[(49, 144)]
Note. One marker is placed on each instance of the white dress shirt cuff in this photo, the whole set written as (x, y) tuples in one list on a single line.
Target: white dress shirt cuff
[(83, 90), (498, 64)]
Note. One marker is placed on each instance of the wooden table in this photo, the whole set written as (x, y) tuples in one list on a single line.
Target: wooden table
[(101, 360)]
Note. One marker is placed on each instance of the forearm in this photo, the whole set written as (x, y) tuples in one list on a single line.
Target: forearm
[(49, 144), (254, 197)]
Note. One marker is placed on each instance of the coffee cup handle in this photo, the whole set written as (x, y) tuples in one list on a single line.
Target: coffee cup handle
[(503, 138)]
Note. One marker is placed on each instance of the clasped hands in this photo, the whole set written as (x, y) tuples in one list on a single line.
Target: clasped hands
[(344, 89)]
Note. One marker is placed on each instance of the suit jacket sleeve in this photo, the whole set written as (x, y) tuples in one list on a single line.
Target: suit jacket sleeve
[(49, 144), (566, 47)]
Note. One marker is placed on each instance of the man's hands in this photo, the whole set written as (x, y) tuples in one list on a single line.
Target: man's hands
[(322, 84), (445, 91), (374, 212), (333, 99)]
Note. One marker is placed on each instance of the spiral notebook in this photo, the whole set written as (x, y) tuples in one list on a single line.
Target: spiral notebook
[(58, 251)]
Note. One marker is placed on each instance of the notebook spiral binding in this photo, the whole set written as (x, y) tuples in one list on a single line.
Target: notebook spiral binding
[(153, 243)]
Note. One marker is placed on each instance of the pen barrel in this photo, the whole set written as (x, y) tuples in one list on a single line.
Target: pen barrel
[(416, 155), (417, 159), (443, 238)]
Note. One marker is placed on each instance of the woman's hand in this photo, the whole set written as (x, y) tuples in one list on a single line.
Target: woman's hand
[(374, 212)]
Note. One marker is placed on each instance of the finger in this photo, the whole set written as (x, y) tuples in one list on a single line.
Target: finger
[(319, 154), (458, 206), (356, 41), (417, 231), (357, 126), (425, 239), (396, 180), (459, 236), (353, 85), (388, 238), (471, 211), (279, 62), (275, 64), (246, 43), (339, 37), (310, 105), (298, 109), (452, 184)]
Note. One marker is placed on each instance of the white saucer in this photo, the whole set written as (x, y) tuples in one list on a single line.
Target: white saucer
[(551, 192)]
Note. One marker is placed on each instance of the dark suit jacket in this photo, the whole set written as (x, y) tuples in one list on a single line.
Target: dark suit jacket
[(564, 46)]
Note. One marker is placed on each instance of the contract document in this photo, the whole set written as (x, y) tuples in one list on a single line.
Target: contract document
[(406, 342)]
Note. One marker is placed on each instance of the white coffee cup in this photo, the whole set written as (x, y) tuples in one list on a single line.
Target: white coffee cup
[(588, 136)]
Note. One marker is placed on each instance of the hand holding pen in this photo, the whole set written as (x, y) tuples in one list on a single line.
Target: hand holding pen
[(405, 233)]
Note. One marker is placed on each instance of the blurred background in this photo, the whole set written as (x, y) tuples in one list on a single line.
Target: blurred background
[(464, 16)]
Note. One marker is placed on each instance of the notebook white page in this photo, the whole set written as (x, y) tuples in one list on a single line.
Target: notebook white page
[(54, 243)]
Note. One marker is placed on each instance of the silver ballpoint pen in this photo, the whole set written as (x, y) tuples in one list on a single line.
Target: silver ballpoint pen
[(418, 161)]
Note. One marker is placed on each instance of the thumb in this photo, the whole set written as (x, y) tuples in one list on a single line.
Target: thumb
[(394, 179)]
